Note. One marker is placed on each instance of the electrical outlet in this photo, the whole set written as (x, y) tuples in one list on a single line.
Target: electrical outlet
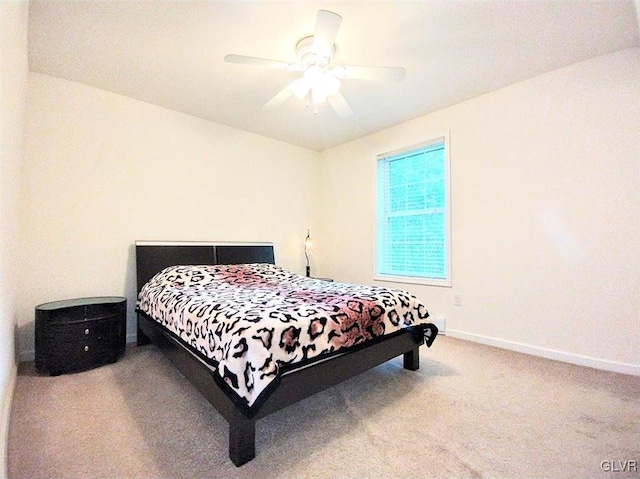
[(457, 300)]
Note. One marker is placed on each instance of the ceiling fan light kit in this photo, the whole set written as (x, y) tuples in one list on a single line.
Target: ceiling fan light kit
[(319, 83), (316, 81)]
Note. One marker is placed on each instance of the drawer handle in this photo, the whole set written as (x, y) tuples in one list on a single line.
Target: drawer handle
[(86, 348), (86, 331)]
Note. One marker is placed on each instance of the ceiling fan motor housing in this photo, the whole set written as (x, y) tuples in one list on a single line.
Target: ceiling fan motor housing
[(307, 56)]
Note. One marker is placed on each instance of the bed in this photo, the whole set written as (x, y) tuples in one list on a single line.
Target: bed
[(227, 359)]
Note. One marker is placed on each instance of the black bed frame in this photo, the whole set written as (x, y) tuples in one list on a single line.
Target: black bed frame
[(152, 257)]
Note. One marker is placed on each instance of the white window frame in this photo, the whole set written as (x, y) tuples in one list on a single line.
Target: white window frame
[(447, 281)]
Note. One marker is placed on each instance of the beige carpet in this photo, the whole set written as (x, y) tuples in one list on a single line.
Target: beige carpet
[(470, 411)]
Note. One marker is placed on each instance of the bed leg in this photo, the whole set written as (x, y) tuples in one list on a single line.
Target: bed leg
[(242, 440), (142, 338), (411, 359)]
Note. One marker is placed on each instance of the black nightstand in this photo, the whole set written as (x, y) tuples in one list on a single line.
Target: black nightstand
[(78, 334)]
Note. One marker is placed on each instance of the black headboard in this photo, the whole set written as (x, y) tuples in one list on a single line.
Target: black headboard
[(153, 256)]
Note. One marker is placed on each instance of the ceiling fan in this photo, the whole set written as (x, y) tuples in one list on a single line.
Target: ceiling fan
[(319, 82)]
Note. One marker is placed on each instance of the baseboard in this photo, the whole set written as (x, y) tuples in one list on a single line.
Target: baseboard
[(580, 360), (7, 399), (25, 356)]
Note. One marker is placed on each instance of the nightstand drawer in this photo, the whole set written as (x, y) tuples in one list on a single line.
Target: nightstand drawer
[(79, 355), (83, 330)]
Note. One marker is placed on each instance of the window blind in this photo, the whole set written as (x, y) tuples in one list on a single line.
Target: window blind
[(412, 223)]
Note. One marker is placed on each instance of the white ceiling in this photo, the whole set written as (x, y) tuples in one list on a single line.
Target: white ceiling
[(170, 53)]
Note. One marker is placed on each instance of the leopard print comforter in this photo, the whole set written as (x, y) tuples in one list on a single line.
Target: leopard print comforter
[(253, 320)]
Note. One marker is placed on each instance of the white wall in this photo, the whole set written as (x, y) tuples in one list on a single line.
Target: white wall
[(545, 204), (13, 95), (102, 170), (545, 213)]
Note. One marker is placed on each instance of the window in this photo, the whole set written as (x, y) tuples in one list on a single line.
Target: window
[(413, 226)]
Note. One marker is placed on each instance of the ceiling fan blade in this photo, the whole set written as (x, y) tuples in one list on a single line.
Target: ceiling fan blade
[(260, 62), (327, 26), (396, 74), (280, 97), (340, 105)]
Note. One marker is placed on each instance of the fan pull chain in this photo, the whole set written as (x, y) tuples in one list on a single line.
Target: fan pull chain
[(315, 106)]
